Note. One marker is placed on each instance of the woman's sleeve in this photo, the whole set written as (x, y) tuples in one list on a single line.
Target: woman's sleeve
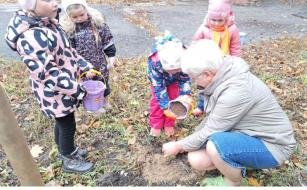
[(231, 106)]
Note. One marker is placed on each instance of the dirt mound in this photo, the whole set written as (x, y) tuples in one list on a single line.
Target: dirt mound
[(156, 168)]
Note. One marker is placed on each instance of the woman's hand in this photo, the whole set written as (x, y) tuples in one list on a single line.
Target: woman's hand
[(172, 148), (90, 74)]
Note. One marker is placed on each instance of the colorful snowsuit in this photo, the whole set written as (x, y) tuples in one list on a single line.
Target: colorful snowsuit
[(164, 88)]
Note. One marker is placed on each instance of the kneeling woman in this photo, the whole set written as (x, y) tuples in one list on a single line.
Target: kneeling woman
[(244, 124)]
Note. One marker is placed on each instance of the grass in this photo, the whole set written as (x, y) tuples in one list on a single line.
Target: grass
[(107, 138)]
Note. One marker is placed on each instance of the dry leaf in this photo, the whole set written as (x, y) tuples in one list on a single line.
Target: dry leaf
[(295, 158), (30, 117), (300, 165), (36, 150), (132, 148), (253, 182), (96, 125), (145, 113), (132, 141), (53, 184), (260, 61), (129, 130), (125, 122), (79, 185), (52, 154), (82, 128), (50, 172)]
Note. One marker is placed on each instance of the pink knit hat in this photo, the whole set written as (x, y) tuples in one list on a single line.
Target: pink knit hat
[(218, 9), (28, 5)]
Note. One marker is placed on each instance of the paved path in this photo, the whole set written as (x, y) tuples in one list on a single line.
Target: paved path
[(130, 40), (268, 20)]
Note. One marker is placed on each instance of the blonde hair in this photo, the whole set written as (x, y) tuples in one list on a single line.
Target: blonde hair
[(74, 8)]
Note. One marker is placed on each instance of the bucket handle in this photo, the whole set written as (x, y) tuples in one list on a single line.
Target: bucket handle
[(192, 105), (93, 72)]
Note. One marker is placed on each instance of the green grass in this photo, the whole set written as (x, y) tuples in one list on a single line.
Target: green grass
[(130, 98)]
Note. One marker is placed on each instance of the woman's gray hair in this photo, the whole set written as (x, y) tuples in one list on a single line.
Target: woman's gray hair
[(205, 55)]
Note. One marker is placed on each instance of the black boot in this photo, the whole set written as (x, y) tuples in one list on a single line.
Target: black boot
[(81, 152), (74, 163)]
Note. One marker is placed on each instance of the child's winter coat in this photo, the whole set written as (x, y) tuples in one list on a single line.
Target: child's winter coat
[(53, 64), (83, 40), (205, 32), (160, 79)]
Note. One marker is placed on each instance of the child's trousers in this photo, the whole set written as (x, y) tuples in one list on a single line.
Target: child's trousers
[(156, 117), (201, 101), (64, 132)]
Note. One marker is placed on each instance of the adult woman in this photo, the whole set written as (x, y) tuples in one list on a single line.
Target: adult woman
[(244, 126)]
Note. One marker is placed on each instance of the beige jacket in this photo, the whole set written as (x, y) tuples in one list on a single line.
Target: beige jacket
[(239, 102)]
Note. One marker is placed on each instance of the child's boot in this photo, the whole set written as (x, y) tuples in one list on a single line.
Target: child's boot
[(98, 112), (81, 152), (74, 163), (169, 130), (197, 112), (155, 132), (106, 104)]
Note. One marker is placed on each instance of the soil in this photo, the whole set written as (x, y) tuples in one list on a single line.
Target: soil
[(157, 169), (178, 109)]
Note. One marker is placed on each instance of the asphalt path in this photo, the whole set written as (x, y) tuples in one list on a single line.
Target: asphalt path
[(268, 19)]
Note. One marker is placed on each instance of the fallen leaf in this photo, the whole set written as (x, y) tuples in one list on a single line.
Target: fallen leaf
[(3, 172), (129, 130), (49, 173), (36, 150), (295, 158), (145, 113), (30, 117), (52, 154), (132, 141), (132, 148), (53, 184), (82, 128), (79, 185), (125, 122), (89, 149), (260, 61), (300, 165), (96, 125), (253, 182)]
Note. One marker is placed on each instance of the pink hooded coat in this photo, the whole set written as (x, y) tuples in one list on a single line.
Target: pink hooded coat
[(205, 32), (54, 66)]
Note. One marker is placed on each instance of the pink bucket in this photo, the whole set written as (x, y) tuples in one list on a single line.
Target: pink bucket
[(95, 91)]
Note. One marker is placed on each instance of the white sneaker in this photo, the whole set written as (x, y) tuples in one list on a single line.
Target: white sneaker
[(99, 112), (107, 106)]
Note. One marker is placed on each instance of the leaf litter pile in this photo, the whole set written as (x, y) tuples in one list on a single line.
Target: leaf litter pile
[(119, 143)]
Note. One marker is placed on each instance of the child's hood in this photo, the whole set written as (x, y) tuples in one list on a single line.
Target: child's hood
[(69, 26), (22, 22), (230, 21)]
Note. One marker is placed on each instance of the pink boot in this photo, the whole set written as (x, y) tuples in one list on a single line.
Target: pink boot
[(169, 130), (197, 112), (155, 132)]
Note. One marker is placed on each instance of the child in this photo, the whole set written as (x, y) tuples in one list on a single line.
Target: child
[(92, 39), (167, 82), (219, 26), (54, 67)]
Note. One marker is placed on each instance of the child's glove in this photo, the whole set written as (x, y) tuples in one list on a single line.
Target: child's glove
[(90, 74), (111, 62), (169, 115)]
